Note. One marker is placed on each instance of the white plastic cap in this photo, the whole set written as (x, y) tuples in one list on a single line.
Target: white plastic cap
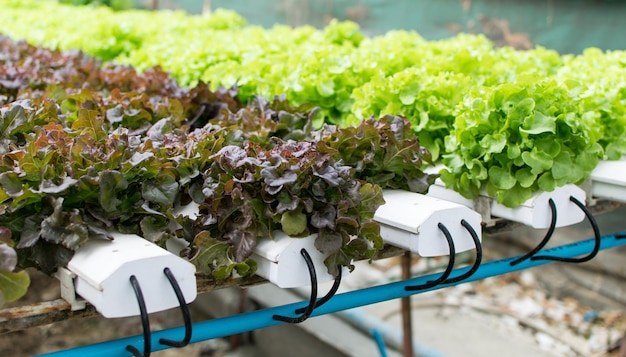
[(279, 260), (103, 270), (411, 221)]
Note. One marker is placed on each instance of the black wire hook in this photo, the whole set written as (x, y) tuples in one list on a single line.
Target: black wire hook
[(449, 268), (145, 321), (309, 309), (545, 239), (183, 308), (596, 232), (328, 296), (479, 255)]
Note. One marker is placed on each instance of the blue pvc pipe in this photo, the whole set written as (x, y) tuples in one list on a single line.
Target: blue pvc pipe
[(250, 321), (386, 332), (379, 342)]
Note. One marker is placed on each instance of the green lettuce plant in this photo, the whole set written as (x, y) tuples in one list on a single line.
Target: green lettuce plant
[(351, 77), (512, 140), (13, 285)]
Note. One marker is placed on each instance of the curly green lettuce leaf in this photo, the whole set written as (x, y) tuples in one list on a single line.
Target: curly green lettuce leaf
[(13, 285), (513, 140)]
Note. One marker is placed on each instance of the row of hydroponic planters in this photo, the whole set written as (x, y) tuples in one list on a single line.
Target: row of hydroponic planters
[(88, 148), (505, 121)]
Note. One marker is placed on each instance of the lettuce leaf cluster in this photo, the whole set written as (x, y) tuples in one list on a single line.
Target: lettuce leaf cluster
[(515, 139), (88, 147), (351, 78), (13, 285)]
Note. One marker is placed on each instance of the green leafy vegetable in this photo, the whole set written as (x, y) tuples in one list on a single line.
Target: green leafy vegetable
[(13, 285), (352, 78), (548, 142), (87, 154)]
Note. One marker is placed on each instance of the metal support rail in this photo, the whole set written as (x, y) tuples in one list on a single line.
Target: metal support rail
[(245, 322), (47, 312)]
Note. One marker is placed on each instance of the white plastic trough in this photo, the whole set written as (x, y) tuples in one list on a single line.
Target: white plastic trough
[(608, 180), (411, 221), (535, 212), (103, 269), (279, 260)]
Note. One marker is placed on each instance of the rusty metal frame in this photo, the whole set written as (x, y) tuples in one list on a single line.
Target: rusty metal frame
[(70, 307), (48, 312)]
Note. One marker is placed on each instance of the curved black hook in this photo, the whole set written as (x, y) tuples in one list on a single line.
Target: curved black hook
[(145, 322), (183, 308), (545, 239), (309, 309), (449, 268), (479, 255), (596, 232), (328, 296)]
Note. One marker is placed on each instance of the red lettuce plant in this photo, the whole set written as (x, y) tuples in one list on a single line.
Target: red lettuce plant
[(87, 148)]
